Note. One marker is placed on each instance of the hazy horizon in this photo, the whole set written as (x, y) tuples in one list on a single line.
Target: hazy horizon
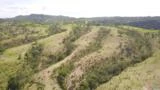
[(72, 16), (80, 8)]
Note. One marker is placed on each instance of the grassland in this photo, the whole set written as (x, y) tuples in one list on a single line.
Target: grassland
[(10, 57), (142, 76), (82, 57)]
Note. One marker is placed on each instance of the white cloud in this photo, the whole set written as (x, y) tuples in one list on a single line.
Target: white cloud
[(81, 8)]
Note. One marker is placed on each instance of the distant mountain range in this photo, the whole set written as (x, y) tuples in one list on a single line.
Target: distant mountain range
[(42, 18), (144, 22)]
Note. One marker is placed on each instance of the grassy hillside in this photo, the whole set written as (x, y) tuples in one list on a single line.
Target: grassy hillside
[(104, 53), (15, 34), (77, 56), (12, 58), (121, 49), (142, 76)]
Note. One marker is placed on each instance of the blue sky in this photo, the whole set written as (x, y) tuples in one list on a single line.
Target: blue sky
[(80, 8)]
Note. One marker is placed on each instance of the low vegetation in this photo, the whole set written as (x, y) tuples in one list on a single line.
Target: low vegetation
[(28, 67), (92, 47), (54, 29), (141, 76), (31, 57), (62, 73), (137, 50), (64, 70)]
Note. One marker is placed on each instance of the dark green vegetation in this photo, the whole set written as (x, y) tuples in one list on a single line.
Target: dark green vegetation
[(62, 74), (149, 24), (57, 52)]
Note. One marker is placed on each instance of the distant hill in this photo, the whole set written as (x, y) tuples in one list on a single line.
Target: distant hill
[(149, 24), (143, 22), (2, 20), (42, 18)]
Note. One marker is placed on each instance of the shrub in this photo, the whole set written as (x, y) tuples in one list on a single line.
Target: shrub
[(13, 84), (54, 29), (33, 54), (62, 73)]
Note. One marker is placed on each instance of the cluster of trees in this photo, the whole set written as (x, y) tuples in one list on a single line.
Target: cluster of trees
[(148, 24), (143, 22)]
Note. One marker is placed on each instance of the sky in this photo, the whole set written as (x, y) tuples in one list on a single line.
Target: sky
[(80, 8)]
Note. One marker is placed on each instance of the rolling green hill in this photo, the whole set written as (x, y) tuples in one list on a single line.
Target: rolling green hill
[(77, 55)]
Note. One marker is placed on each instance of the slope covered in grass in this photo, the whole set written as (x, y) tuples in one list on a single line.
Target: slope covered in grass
[(142, 76), (95, 57), (12, 59), (120, 49), (78, 57), (15, 34), (68, 38)]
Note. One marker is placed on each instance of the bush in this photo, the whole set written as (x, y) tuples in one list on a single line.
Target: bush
[(13, 84), (2, 49), (33, 54), (54, 29), (62, 73), (84, 86)]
